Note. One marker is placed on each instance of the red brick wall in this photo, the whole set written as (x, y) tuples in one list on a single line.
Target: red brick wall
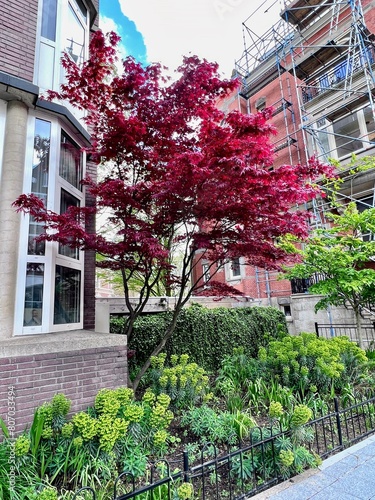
[(18, 20), (285, 123), (77, 374)]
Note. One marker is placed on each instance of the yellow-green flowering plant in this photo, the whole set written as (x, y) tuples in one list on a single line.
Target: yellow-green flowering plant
[(310, 364), (186, 383)]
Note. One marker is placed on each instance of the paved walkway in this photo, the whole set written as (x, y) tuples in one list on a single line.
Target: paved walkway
[(348, 475)]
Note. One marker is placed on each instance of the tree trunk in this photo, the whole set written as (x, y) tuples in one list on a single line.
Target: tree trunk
[(159, 347), (358, 320)]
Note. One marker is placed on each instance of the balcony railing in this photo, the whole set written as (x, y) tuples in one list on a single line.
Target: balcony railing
[(334, 76), (302, 285)]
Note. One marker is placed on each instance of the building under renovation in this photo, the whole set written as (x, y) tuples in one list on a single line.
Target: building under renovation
[(315, 68)]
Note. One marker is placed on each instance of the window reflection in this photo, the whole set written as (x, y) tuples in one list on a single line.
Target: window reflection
[(236, 267), (49, 14), (33, 294), (67, 295), (70, 161), (39, 180), (67, 200), (74, 37)]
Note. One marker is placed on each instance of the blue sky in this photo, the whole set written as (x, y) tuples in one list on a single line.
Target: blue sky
[(132, 39), (166, 30)]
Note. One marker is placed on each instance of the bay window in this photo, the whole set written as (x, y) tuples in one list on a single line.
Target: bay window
[(50, 274)]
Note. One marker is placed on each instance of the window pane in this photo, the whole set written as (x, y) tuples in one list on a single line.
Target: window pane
[(70, 161), (67, 200), (74, 37), (39, 180), (49, 14), (321, 139), (206, 272), (235, 267), (33, 294), (347, 130), (67, 295)]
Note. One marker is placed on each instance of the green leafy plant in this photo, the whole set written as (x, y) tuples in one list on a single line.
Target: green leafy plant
[(214, 426), (308, 364)]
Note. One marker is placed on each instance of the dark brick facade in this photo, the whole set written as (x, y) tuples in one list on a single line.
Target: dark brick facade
[(77, 374), (90, 258), (18, 22)]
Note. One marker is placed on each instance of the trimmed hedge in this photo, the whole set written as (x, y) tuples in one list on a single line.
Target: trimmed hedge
[(206, 335)]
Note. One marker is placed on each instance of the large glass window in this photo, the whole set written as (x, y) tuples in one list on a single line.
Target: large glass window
[(67, 200), (67, 295), (321, 139), (64, 27), (33, 294), (39, 180), (70, 167), (50, 275)]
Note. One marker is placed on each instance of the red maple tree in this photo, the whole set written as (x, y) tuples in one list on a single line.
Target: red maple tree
[(178, 172)]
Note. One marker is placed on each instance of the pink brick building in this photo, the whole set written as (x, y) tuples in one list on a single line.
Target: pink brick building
[(316, 68)]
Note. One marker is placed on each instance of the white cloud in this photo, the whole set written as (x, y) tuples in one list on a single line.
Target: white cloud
[(107, 24), (211, 29)]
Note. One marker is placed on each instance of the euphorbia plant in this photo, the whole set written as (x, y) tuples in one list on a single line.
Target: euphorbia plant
[(180, 173)]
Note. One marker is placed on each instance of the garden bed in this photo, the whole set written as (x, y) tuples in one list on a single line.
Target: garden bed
[(226, 435)]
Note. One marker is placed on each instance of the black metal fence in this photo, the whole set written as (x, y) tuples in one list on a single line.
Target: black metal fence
[(335, 330), (250, 468), (302, 285)]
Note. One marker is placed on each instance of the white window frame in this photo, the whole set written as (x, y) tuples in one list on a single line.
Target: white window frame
[(206, 274), (51, 258), (229, 276), (57, 46)]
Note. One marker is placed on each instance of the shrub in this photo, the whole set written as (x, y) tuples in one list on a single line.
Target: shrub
[(206, 335)]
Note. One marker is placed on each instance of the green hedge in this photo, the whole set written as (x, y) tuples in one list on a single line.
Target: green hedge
[(207, 335)]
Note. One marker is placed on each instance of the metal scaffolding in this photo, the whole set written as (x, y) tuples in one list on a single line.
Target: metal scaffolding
[(323, 55)]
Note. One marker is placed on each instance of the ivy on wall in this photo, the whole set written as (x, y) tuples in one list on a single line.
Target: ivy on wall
[(207, 335)]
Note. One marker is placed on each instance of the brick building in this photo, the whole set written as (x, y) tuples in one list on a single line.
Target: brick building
[(47, 297), (315, 67)]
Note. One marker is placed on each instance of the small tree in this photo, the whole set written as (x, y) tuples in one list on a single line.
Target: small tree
[(342, 257), (179, 173)]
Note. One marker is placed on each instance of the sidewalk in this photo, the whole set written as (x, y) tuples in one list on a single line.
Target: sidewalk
[(348, 475)]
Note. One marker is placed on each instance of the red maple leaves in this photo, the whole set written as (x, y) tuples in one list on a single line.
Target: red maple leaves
[(179, 173)]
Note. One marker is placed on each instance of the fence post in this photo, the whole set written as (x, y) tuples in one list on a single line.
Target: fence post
[(316, 329), (186, 466), (338, 421)]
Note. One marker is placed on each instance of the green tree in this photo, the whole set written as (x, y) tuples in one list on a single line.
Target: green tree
[(342, 257)]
